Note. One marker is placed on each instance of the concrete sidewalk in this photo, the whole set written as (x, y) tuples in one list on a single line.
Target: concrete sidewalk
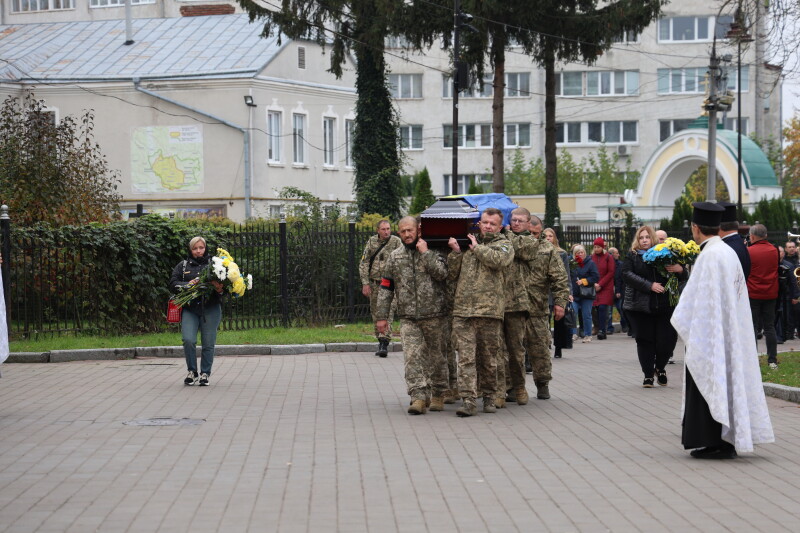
[(322, 442)]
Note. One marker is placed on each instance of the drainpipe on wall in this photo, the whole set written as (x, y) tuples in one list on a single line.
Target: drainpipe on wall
[(245, 132)]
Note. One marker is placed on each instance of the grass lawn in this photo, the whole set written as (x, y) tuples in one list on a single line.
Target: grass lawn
[(787, 373), (301, 335)]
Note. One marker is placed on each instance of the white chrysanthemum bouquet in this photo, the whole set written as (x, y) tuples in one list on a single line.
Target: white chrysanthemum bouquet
[(222, 269)]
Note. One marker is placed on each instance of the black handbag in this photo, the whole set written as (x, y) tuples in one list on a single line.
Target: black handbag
[(569, 316), (587, 293)]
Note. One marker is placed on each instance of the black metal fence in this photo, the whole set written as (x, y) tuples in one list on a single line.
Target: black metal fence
[(304, 274)]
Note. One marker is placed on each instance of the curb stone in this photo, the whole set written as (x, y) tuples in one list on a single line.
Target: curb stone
[(782, 392)]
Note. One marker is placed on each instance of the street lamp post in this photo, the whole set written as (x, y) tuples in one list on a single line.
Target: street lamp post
[(739, 32)]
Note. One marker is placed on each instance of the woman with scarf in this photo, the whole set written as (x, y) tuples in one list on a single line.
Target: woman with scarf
[(583, 274), (647, 307), (203, 314)]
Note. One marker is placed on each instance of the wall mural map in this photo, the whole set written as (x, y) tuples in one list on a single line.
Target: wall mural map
[(167, 159)]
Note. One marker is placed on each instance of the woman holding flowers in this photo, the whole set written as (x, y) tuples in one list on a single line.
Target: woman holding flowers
[(648, 305), (203, 313), (583, 274)]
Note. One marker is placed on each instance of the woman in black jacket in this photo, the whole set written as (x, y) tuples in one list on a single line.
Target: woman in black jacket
[(648, 309), (203, 314)]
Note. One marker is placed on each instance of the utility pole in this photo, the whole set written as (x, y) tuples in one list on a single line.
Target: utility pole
[(460, 79), (717, 81)]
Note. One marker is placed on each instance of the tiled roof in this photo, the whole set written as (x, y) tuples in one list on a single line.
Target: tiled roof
[(220, 45)]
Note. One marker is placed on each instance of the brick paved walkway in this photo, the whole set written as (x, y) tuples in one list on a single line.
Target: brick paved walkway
[(323, 443)]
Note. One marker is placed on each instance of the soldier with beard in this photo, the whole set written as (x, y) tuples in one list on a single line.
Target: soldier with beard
[(414, 276), (478, 310)]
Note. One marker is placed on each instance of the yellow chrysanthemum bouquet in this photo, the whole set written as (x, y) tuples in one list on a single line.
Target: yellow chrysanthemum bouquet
[(223, 269), (670, 252)]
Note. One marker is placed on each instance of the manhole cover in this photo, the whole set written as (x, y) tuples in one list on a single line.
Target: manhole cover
[(165, 422)]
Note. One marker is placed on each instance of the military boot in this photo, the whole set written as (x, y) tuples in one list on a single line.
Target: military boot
[(511, 396), (500, 403), (468, 408), (451, 396), (489, 405), (383, 348), (522, 395), (437, 404), (542, 390), (417, 407)]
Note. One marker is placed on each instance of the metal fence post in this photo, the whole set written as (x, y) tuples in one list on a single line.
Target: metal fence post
[(5, 228), (284, 268), (617, 237), (351, 270), (687, 232), (557, 229)]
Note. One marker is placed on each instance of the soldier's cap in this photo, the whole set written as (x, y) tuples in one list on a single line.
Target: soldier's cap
[(730, 211), (707, 214)]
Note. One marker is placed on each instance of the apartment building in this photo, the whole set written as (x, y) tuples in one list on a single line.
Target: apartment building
[(646, 88)]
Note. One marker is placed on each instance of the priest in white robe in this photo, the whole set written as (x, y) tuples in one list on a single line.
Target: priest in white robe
[(724, 408)]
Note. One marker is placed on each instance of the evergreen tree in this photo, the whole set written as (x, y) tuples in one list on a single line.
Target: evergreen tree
[(423, 192), (360, 26)]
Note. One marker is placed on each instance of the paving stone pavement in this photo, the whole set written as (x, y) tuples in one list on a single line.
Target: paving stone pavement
[(322, 442)]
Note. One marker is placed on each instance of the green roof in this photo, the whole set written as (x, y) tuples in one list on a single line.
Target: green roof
[(759, 172)]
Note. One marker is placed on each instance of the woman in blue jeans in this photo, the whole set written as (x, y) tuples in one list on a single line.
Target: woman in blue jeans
[(583, 273), (202, 314)]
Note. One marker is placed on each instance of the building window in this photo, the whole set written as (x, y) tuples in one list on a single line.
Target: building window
[(612, 132), (349, 131), (469, 136), (517, 135), (568, 132), (465, 181), (687, 29), (405, 85), (275, 211), (681, 80), (733, 79), (626, 38), (301, 57), (328, 141), (732, 123), (411, 137), (299, 139), (21, 6), (474, 90), (569, 84), (609, 83), (517, 84), (274, 132), (667, 128), (116, 3), (396, 41)]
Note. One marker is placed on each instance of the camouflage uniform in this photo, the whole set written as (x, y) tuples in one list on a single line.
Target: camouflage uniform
[(372, 276), (547, 274), (478, 311), (449, 343), (416, 283), (512, 374)]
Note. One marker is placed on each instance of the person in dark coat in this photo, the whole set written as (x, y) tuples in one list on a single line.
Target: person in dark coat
[(729, 232), (583, 274), (202, 314), (648, 309), (792, 302), (619, 292), (605, 287), (562, 337)]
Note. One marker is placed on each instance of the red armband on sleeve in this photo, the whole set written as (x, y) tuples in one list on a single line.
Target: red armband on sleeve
[(387, 283)]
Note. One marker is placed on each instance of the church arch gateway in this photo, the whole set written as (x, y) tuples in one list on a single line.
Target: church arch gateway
[(675, 159)]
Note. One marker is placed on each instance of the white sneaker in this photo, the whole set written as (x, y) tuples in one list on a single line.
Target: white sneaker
[(773, 366), (587, 338), (203, 379), (191, 378)]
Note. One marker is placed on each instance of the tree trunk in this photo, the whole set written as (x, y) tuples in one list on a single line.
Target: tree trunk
[(551, 210), (498, 93)]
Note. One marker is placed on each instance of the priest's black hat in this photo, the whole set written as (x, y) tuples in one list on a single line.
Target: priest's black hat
[(730, 212), (707, 214)]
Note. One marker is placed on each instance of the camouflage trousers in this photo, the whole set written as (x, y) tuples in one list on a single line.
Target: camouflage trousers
[(450, 354), (423, 349), (537, 344), (373, 306), (511, 374), (479, 342)]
